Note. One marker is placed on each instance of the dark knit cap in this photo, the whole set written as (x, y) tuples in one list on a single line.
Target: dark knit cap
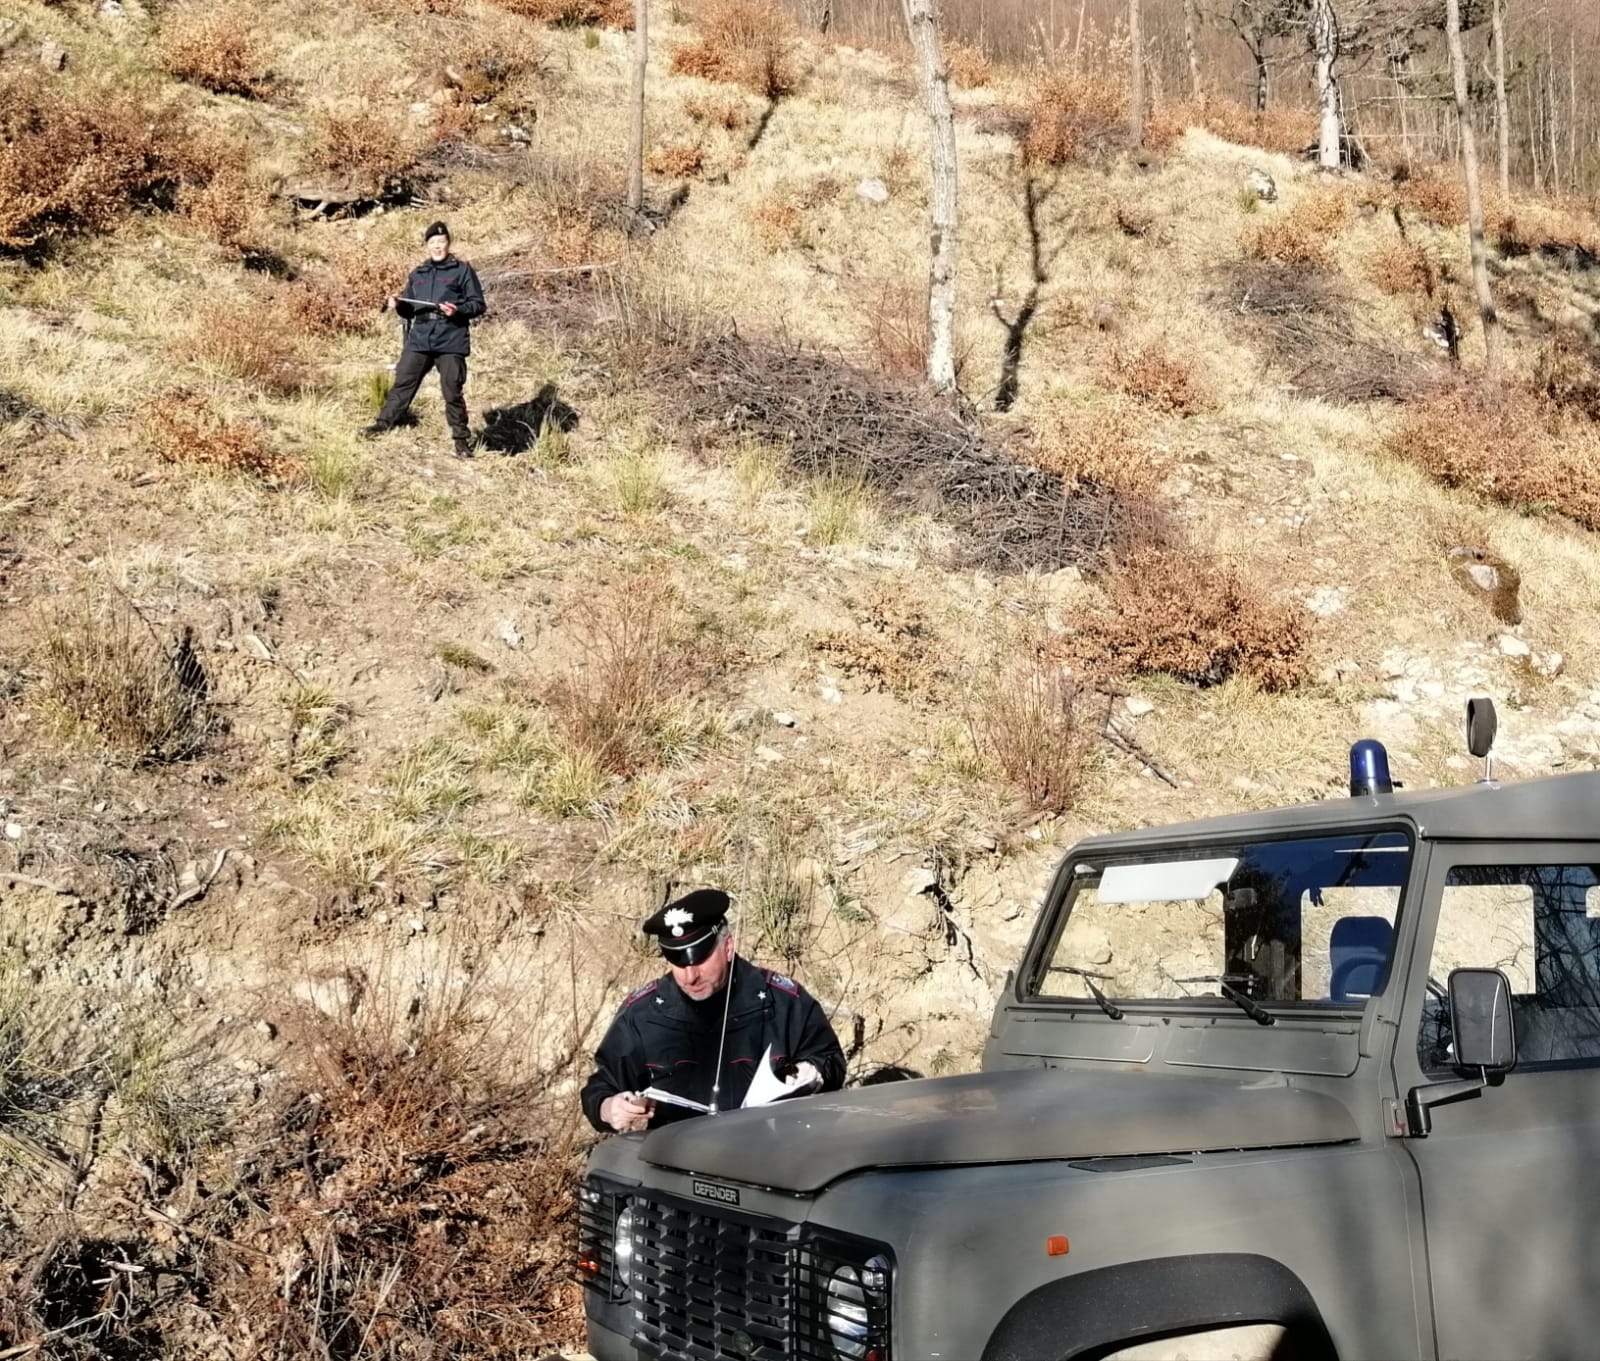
[(435, 229)]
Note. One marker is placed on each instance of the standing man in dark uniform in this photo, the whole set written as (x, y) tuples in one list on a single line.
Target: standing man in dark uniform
[(441, 299), (668, 1033)]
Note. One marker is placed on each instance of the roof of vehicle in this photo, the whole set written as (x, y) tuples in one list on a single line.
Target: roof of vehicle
[(1557, 808)]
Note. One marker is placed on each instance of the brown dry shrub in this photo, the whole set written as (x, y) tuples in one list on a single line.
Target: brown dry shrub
[(1433, 198), (1498, 443), (1296, 239), (1164, 127), (73, 160), (1280, 129), (968, 64), (348, 292), (1105, 445), (180, 426), (895, 647), (677, 161), (616, 14), (1549, 227), (1185, 614), (1401, 269), (639, 663), (245, 341), (427, 1206), (1074, 116), (721, 112), (779, 222), (214, 48), (227, 207), (371, 147), (105, 671), (1567, 374), (575, 225), (391, 8), (1153, 378), (741, 42), (1035, 726)]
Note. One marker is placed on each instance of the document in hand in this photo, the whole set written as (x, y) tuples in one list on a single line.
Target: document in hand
[(765, 1088)]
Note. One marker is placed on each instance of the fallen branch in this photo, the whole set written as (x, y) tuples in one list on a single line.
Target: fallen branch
[(1131, 747), (199, 890), (28, 881)]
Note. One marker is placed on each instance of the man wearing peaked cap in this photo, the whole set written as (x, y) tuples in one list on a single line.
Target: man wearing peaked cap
[(668, 1034)]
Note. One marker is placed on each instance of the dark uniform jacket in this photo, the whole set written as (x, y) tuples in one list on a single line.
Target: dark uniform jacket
[(661, 1038), (429, 330)]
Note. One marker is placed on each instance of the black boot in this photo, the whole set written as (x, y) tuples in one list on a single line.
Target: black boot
[(462, 449), (374, 430)]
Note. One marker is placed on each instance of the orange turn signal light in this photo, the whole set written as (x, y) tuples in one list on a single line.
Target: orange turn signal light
[(1056, 1245)]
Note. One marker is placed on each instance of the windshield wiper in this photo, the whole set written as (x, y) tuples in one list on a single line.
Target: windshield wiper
[(1251, 1008), (1110, 1008)]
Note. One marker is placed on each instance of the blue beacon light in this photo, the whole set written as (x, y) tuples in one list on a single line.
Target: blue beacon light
[(1369, 769)]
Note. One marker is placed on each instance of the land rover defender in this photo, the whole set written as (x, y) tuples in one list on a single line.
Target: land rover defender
[(1316, 1082)]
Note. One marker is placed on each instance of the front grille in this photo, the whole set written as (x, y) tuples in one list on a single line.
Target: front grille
[(713, 1285)]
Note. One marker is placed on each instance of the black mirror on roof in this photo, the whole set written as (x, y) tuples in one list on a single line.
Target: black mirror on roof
[(1482, 725)]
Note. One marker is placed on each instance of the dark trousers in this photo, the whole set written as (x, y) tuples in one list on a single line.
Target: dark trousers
[(408, 375)]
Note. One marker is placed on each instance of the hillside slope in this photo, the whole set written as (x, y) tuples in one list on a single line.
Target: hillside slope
[(336, 776)]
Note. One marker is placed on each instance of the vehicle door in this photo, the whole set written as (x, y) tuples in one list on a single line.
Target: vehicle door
[(1511, 1178)]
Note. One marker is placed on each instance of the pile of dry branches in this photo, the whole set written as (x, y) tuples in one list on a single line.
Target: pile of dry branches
[(1303, 322), (832, 419)]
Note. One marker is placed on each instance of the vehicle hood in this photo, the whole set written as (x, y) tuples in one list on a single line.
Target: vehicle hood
[(1023, 1115)]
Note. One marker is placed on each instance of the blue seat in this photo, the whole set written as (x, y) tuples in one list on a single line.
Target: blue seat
[(1358, 957)]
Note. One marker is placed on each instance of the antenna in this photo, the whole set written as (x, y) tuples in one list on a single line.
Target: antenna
[(727, 1001)]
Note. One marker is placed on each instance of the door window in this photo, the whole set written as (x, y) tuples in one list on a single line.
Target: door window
[(1540, 926)]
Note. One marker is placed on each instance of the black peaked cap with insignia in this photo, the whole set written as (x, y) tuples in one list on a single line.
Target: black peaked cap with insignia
[(688, 928)]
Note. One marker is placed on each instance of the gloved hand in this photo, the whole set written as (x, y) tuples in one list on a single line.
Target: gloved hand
[(805, 1075)]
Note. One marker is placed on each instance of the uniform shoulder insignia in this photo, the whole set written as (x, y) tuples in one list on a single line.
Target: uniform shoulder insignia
[(645, 991), (782, 982)]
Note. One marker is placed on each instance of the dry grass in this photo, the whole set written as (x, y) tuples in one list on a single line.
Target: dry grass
[(624, 703), (895, 647), (244, 341), (899, 331), (677, 161), (1035, 726), (348, 292), (1155, 379), (181, 426), (718, 111), (1402, 269), (73, 160), (214, 48), (1500, 445), (778, 222), (617, 14), (741, 42), (1185, 614), (1281, 129), (227, 207), (1074, 116), (108, 675)]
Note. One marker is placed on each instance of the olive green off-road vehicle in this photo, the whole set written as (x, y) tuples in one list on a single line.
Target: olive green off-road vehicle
[(1316, 1082)]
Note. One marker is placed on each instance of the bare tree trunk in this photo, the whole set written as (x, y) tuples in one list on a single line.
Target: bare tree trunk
[(1399, 59), (1572, 105), (1469, 164), (1325, 46), (1077, 42), (923, 27), (1257, 44), (1191, 23), (641, 58), (1136, 75), (1502, 109)]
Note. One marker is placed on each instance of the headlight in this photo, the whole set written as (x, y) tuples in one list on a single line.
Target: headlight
[(855, 1296), (622, 1252)]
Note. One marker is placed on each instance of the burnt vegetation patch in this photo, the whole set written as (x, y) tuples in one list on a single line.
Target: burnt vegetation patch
[(831, 419)]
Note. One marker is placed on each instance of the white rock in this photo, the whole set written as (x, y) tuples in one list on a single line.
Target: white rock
[(1261, 184), (919, 880), (1138, 706), (14, 831), (418, 926), (507, 633), (1485, 576), (52, 55), (873, 191), (783, 720), (330, 996), (1512, 646), (1327, 600), (830, 692), (768, 755), (1550, 664)]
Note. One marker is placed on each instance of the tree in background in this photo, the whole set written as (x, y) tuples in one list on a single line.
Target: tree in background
[(641, 59), (1502, 107), (1135, 75), (923, 26), (1258, 23), (1325, 45), (1469, 166)]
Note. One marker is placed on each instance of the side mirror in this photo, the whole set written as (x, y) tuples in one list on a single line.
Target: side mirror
[(1480, 1020), (1481, 726)]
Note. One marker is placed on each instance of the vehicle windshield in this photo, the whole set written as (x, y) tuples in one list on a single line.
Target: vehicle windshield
[(1305, 921)]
